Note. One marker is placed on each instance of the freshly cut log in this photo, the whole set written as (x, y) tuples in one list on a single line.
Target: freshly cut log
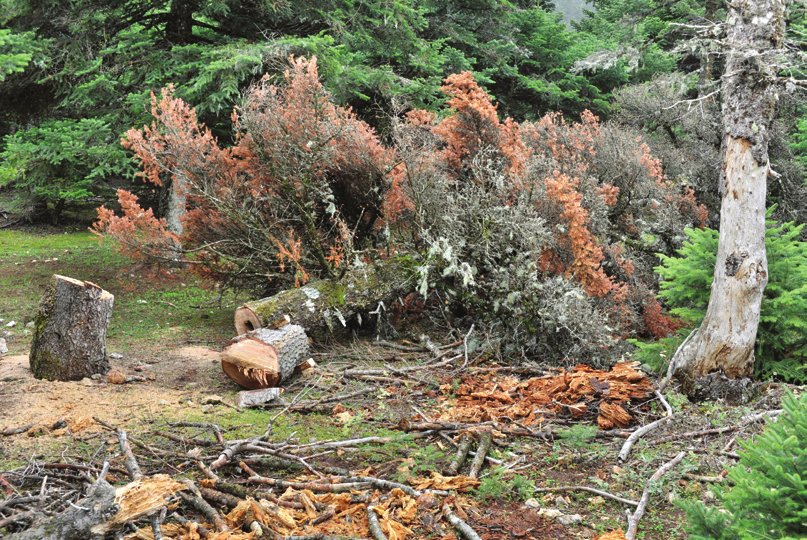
[(328, 303), (70, 330), (264, 358)]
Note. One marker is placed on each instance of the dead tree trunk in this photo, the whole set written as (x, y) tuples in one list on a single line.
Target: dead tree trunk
[(725, 340), (328, 303), (264, 357), (70, 334)]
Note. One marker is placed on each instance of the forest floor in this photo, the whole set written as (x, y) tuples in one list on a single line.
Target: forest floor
[(167, 331)]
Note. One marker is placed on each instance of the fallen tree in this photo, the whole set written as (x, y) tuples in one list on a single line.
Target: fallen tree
[(330, 303)]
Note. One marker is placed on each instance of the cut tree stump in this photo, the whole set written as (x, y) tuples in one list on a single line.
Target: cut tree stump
[(326, 303), (69, 341), (264, 358)]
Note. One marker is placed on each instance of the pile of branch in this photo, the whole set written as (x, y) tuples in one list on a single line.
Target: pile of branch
[(231, 499)]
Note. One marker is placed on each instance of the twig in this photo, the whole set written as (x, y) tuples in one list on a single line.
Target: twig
[(701, 478), (633, 520), (700, 433), (660, 396), (131, 463), (313, 486), (590, 490), (636, 435), (373, 526), (463, 528)]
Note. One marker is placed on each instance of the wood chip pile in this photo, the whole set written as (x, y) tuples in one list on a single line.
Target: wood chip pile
[(581, 391)]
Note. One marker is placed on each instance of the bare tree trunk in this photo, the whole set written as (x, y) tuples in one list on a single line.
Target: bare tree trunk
[(725, 340), (70, 334)]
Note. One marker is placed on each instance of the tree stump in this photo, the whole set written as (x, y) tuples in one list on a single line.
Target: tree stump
[(70, 331), (264, 357)]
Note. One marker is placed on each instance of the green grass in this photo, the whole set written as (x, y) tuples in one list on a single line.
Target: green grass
[(150, 305)]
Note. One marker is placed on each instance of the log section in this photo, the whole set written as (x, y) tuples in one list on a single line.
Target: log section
[(264, 358)]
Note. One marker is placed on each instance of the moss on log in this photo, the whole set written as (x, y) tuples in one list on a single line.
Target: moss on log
[(329, 303)]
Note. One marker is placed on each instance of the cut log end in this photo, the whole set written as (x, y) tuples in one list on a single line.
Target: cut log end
[(251, 363), (246, 320), (264, 358)]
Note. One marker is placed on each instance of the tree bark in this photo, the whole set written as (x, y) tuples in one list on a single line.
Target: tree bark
[(264, 358), (70, 330), (328, 303), (725, 340)]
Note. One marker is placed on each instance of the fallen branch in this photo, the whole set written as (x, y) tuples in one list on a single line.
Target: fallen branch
[(590, 490), (196, 500), (636, 435), (485, 440), (313, 486), (462, 454), (633, 519), (463, 528), (373, 525)]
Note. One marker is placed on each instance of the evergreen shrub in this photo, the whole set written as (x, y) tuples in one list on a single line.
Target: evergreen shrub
[(769, 496), (781, 345)]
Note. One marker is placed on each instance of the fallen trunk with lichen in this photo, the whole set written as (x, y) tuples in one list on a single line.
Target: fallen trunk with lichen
[(359, 295)]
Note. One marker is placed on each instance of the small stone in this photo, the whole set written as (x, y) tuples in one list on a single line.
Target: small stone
[(163, 403), (96, 376), (29, 324), (570, 519), (12, 324), (116, 376), (549, 512), (671, 497), (212, 399), (207, 409), (87, 382), (532, 503), (3, 347), (116, 356), (709, 495), (560, 502), (597, 501)]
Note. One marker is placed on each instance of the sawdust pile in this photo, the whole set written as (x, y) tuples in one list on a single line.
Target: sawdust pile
[(581, 391)]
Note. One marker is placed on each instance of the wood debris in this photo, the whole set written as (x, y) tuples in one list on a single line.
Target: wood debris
[(489, 396)]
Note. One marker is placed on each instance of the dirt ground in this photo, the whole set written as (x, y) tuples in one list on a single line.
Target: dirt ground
[(175, 381)]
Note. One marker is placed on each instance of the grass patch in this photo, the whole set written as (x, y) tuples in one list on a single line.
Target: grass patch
[(151, 305)]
